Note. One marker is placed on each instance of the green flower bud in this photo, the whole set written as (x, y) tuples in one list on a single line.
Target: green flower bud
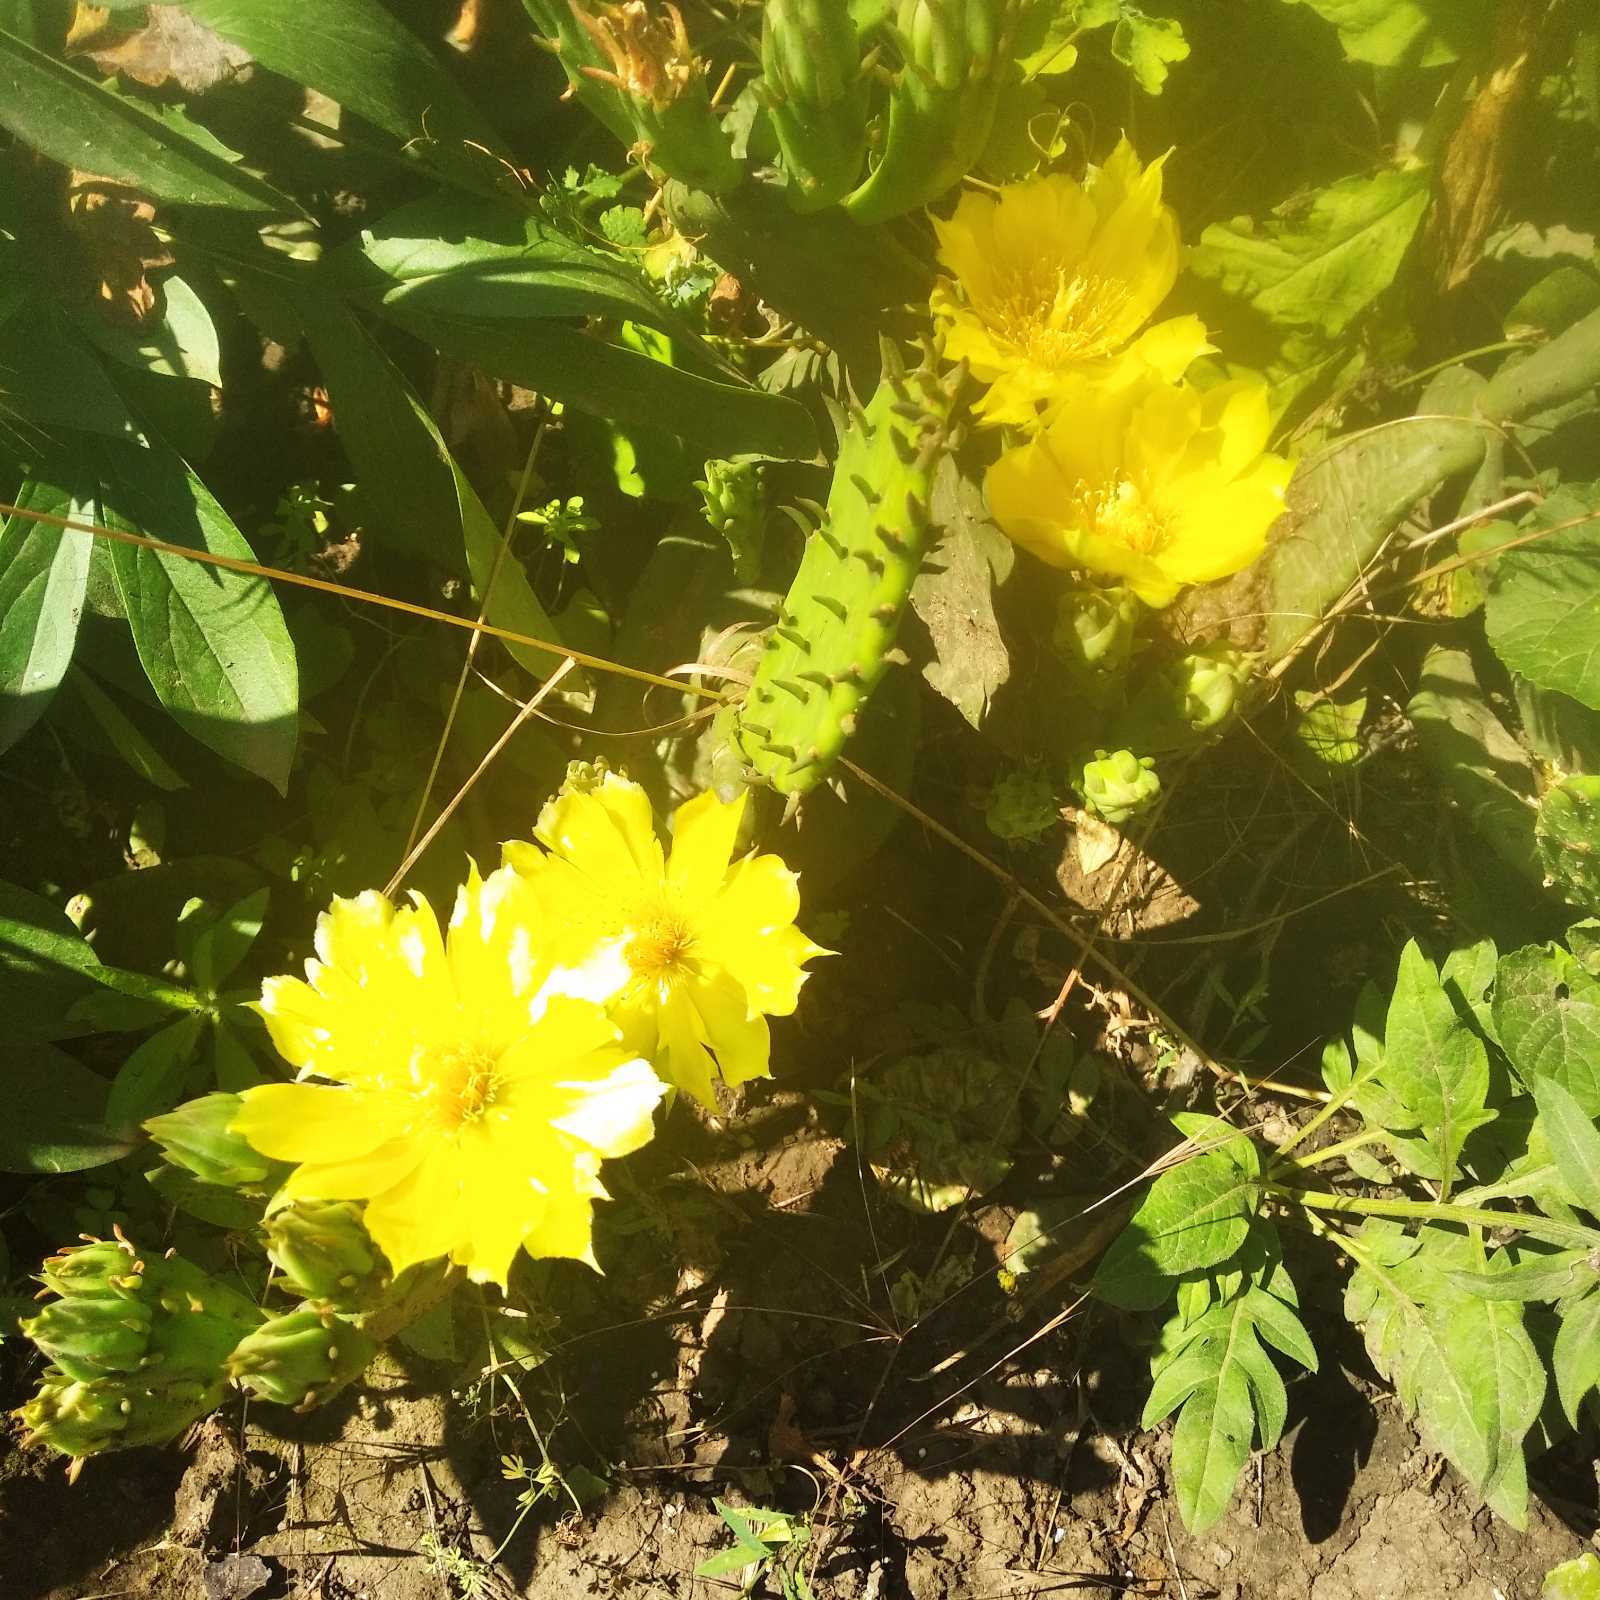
[(733, 496), (1207, 684), (1094, 632), (101, 1267), (94, 1336), (1119, 785), (325, 1253), (114, 1413), (301, 1359), (196, 1137)]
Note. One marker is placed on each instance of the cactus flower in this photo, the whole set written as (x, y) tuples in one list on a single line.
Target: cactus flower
[(469, 1108), (1154, 483), (693, 950), (1051, 278)]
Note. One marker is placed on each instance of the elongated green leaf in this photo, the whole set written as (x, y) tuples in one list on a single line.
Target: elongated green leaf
[(150, 1081), (1551, 1276), (623, 386), (44, 574), (414, 484), (75, 121), (461, 256), (52, 380), (1194, 1216), (224, 943), (1543, 610), (112, 728), (357, 53), (213, 643), (1547, 1013), (1575, 1360), (1573, 1139), (55, 1113), (1434, 1063), (1322, 270), (180, 342)]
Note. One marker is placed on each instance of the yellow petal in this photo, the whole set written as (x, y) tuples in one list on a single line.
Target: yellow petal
[(360, 1177), (523, 856), (704, 832), (564, 1228), (612, 1112), (606, 832), (307, 1122), (737, 1034), (421, 1217), (299, 1021), (682, 1059), (1170, 348)]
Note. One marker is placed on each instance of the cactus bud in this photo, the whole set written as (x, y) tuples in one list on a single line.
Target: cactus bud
[(85, 1418), (301, 1359), (94, 1336), (817, 95), (1207, 684), (732, 492), (1094, 635), (325, 1253), (1119, 785), (197, 1137)]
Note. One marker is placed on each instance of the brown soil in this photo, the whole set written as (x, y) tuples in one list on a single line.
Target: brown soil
[(969, 1453)]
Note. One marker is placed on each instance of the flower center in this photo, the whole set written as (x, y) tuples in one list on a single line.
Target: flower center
[(660, 945), (1056, 319), (460, 1080), (1118, 511)]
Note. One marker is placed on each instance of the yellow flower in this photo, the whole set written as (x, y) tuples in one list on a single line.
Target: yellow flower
[(692, 953), (1053, 277), (1156, 484), (468, 1107)]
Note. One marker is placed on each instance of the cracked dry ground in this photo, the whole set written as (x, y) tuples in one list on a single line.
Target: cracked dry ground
[(954, 1449)]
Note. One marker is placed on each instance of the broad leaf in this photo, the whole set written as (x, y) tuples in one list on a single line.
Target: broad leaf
[(1575, 1360), (357, 53), (1543, 610), (1464, 1366), (180, 342), (55, 1113), (1323, 269), (213, 643), (1578, 1579), (84, 711), (1194, 1217), (1573, 1140), (52, 380), (1434, 1064), (1405, 33), (70, 118), (44, 573), (1547, 1013)]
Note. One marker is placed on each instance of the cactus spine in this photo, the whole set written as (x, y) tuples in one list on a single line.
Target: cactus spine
[(837, 625), (817, 95)]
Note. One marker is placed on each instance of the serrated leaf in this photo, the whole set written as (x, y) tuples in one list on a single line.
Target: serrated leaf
[(1543, 609), (1575, 1360), (1568, 833), (1410, 33), (1321, 269), (1573, 1139), (56, 110), (1538, 1276), (1468, 975), (213, 643), (1434, 1064), (1547, 1014), (44, 575), (1194, 1217)]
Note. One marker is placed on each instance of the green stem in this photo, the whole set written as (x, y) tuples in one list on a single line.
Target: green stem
[(1331, 1152), (1437, 1211), (1335, 1103)]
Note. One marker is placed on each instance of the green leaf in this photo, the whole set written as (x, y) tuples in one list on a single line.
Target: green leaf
[(224, 943), (1485, 770), (179, 343), (213, 643), (357, 53), (1539, 1275), (1194, 1217), (82, 696), (55, 1113), (44, 575), (51, 379), (75, 121), (1322, 269), (413, 483), (1575, 1359), (1543, 610), (1409, 33), (1547, 1013), (1464, 1366), (1433, 1063), (150, 1081), (1573, 1140), (1578, 1579), (1147, 45)]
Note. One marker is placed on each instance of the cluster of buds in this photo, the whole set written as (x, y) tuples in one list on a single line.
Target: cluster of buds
[(735, 505), (1118, 785), (301, 1358), (815, 87), (1095, 636), (137, 1347)]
